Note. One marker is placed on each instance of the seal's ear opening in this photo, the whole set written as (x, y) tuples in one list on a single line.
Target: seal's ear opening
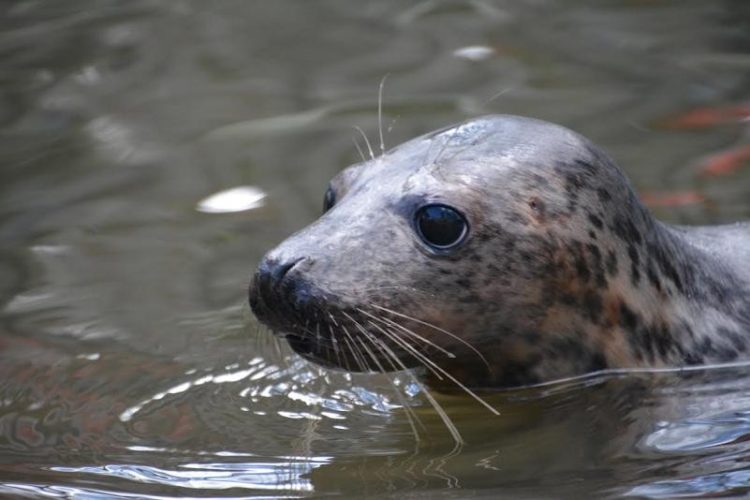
[(441, 227)]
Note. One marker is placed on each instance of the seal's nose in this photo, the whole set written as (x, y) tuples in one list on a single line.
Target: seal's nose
[(273, 293), (271, 272)]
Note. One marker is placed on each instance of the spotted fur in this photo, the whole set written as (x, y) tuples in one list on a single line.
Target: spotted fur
[(564, 271)]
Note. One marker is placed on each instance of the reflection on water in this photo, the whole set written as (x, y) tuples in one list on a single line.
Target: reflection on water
[(151, 152)]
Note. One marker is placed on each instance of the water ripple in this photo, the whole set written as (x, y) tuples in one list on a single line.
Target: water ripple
[(279, 475), (723, 484)]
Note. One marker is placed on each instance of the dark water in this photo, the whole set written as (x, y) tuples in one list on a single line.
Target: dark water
[(129, 363)]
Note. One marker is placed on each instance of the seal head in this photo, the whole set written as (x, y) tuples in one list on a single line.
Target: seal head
[(502, 251)]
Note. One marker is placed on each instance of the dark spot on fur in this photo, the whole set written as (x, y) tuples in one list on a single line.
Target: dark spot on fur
[(597, 265), (635, 273), (587, 166), (573, 182), (692, 358), (592, 305), (525, 256), (611, 263), (515, 374), (597, 363), (628, 319), (662, 340), (567, 348), (652, 277), (633, 254), (469, 298), (721, 353), (463, 282), (737, 341), (666, 266), (603, 194), (580, 261), (596, 221), (539, 180), (725, 354), (624, 228), (568, 299)]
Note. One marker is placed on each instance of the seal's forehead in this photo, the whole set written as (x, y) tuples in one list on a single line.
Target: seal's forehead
[(472, 152), (495, 137)]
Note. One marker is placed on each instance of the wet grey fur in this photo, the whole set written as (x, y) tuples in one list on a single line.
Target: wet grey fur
[(564, 271)]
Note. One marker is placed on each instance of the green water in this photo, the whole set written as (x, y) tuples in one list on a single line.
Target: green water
[(129, 363)]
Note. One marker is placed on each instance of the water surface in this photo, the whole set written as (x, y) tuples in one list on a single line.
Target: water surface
[(151, 152)]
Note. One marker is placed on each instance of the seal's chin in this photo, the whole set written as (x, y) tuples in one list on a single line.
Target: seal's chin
[(307, 347)]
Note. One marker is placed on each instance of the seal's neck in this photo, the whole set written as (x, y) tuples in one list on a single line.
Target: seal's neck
[(682, 304), (644, 294)]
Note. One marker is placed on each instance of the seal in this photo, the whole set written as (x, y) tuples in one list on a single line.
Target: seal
[(500, 252)]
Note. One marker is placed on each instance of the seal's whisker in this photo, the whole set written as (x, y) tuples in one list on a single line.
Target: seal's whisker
[(410, 415), (334, 345), (380, 113), (334, 340), (359, 150), (452, 429), (497, 95), (393, 335), (356, 324), (367, 141), (359, 356), (438, 329), (409, 332), (351, 348), (437, 368)]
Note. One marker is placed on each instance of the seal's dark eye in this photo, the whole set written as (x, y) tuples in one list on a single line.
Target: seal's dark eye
[(329, 200), (441, 226)]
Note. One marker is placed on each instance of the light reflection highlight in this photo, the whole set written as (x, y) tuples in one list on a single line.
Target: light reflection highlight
[(238, 199)]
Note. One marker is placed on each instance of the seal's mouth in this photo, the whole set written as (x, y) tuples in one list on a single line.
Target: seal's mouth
[(323, 329)]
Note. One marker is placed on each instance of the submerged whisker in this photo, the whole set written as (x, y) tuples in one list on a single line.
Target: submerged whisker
[(410, 415), (452, 429), (436, 368)]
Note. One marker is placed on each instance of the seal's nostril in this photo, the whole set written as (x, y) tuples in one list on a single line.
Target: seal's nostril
[(271, 272), (281, 270)]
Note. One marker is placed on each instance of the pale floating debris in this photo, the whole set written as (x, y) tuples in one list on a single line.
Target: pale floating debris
[(238, 199), (50, 249), (474, 52), (89, 357), (269, 126)]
